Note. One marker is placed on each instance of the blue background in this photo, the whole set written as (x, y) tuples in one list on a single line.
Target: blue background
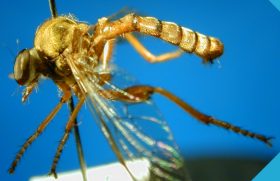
[(243, 89)]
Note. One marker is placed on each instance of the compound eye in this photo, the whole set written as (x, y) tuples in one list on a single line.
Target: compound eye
[(22, 67)]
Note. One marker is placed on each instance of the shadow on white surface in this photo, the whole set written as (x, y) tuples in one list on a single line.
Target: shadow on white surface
[(109, 172)]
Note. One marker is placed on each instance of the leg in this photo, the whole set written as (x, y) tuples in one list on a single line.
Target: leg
[(106, 55), (78, 141), (147, 54), (68, 128), (39, 130), (142, 93)]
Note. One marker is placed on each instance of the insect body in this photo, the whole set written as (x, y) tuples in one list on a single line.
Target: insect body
[(76, 56)]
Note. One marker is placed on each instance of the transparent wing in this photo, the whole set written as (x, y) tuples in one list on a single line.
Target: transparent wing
[(140, 131), (134, 130)]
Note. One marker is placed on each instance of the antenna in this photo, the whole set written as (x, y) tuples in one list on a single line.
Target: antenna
[(53, 8)]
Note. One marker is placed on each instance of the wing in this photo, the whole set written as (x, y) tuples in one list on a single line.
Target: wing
[(135, 131)]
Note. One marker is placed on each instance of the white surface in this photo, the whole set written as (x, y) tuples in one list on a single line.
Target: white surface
[(110, 172)]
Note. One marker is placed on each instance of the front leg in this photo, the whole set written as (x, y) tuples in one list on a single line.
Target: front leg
[(39, 130)]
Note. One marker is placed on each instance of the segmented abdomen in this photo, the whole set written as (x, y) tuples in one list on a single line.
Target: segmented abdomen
[(206, 47)]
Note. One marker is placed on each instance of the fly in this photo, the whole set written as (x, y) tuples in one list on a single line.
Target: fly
[(76, 56)]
